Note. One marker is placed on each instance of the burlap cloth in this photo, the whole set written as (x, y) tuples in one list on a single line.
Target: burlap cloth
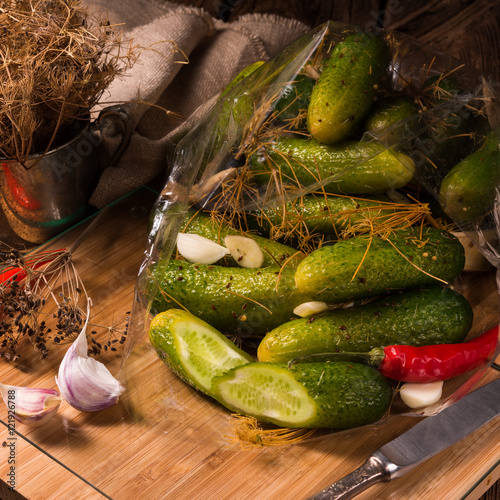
[(186, 57)]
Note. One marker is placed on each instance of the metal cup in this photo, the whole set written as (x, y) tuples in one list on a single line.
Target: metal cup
[(49, 192)]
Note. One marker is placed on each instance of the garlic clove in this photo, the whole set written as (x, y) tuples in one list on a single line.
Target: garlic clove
[(419, 395), (245, 251), (309, 308), (198, 249), (85, 383), (29, 405)]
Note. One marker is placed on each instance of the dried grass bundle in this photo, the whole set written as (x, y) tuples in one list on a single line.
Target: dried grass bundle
[(55, 63)]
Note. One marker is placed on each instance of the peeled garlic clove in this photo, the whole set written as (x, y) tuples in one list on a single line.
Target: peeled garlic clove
[(420, 395), (475, 261), (245, 251), (198, 249), (29, 405), (85, 383), (309, 308)]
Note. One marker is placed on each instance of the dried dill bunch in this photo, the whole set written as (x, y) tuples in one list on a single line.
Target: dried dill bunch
[(55, 63)]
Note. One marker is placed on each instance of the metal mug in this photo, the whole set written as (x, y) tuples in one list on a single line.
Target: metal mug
[(49, 192)]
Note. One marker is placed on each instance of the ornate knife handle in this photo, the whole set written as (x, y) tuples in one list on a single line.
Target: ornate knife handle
[(374, 470)]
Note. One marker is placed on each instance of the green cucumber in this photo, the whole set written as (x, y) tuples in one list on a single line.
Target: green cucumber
[(317, 213), (344, 93), (241, 76), (350, 167), (449, 121), (387, 116), (193, 349), (275, 253), (291, 107), (469, 189), (418, 317), (233, 110), (310, 395), (364, 266), (233, 300)]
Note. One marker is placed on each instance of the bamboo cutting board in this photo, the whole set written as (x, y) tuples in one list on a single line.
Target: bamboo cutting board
[(165, 441)]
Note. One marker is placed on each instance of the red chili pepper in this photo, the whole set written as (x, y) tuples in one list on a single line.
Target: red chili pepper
[(437, 362), (18, 191)]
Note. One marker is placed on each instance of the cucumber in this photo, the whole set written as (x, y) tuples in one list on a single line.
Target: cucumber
[(469, 189), (350, 167), (344, 93), (406, 258), (193, 349), (275, 253), (434, 315), (233, 300), (386, 117), (233, 110), (449, 122), (291, 107), (311, 395), (317, 213), (241, 75), (439, 89)]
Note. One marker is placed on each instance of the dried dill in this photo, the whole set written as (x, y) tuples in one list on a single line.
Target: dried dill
[(246, 432), (40, 297), (55, 63)]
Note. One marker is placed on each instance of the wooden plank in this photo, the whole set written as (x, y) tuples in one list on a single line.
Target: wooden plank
[(467, 30), (37, 474)]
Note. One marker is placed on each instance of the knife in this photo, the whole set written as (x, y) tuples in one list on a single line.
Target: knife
[(424, 440)]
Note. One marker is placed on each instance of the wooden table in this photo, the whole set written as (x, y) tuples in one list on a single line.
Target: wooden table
[(164, 440)]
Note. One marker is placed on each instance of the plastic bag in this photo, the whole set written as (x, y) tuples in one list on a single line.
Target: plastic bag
[(222, 167)]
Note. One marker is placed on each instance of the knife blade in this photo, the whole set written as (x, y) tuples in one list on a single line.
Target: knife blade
[(421, 442)]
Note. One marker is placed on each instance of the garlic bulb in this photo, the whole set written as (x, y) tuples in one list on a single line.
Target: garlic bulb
[(198, 249), (30, 406), (85, 383)]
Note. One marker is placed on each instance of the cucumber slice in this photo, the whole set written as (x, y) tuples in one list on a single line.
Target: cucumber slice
[(337, 395), (267, 392), (193, 349)]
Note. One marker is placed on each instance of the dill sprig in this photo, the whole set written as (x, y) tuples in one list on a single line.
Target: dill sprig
[(41, 305), (247, 433)]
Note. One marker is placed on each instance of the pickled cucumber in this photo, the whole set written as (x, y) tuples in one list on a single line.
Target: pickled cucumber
[(241, 301), (332, 395), (193, 349), (364, 266), (469, 189), (350, 167), (433, 315), (344, 93)]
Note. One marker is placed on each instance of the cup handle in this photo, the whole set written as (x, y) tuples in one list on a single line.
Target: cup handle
[(120, 114)]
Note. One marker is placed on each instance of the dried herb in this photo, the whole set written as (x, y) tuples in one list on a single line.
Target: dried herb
[(55, 63), (41, 305), (247, 433)]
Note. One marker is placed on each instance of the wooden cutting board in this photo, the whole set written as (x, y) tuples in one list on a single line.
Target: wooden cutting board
[(165, 441)]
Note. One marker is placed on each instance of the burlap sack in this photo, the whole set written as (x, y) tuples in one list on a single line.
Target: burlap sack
[(186, 59)]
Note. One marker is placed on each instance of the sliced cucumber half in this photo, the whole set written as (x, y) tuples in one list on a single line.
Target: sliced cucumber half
[(267, 392), (193, 349)]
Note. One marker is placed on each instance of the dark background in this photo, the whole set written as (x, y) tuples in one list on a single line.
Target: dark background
[(468, 30)]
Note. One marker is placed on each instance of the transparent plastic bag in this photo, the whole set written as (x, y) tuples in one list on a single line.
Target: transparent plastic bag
[(213, 173)]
